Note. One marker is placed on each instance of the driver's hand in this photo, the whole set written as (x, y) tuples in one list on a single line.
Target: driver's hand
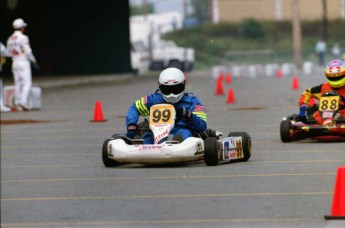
[(131, 130), (183, 113), (302, 113)]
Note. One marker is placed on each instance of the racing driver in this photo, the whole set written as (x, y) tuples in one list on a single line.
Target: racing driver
[(335, 75), (190, 112)]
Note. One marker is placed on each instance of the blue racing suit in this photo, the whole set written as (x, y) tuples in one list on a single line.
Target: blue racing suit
[(197, 123)]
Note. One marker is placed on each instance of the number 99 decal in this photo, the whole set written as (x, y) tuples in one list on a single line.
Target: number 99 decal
[(162, 114)]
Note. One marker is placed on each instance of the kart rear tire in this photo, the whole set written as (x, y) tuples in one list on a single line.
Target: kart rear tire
[(106, 160), (211, 155), (246, 144), (285, 127)]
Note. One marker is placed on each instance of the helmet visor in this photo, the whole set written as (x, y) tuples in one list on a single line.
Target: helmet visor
[(336, 78), (172, 89)]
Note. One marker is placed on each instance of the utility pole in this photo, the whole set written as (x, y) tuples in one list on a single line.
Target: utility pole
[(185, 9), (297, 35), (324, 20), (210, 10), (145, 9)]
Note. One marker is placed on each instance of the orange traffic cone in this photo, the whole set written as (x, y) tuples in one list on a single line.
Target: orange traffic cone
[(98, 115), (228, 78), (221, 75), (295, 83), (279, 74), (231, 96), (338, 206), (219, 86)]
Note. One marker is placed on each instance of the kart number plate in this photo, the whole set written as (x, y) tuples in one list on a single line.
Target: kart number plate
[(162, 115), (329, 103)]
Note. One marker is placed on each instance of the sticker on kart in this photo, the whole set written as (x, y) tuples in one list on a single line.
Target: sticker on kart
[(329, 103), (162, 120), (232, 149)]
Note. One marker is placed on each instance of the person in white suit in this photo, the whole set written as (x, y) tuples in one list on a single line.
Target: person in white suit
[(4, 54), (18, 46)]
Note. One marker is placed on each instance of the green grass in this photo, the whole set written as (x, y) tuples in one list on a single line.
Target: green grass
[(213, 42)]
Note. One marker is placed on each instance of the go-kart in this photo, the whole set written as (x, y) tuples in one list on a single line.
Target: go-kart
[(206, 146), (330, 124)]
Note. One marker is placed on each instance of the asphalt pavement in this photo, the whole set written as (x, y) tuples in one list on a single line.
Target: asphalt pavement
[(52, 173)]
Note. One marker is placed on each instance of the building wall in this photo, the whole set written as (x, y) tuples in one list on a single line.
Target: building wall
[(237, 10)]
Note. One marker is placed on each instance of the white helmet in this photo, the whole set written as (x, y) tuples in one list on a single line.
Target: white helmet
[(19, 23), (172, 84)]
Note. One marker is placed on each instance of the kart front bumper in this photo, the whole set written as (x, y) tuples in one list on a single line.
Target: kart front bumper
[(191, 149)]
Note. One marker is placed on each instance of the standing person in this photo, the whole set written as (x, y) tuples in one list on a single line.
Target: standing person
[(190, 112), (336, 51), (320, 50), (18, 46), (4, 54)]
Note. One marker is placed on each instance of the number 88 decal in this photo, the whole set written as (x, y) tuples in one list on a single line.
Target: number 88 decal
[(329, 103)]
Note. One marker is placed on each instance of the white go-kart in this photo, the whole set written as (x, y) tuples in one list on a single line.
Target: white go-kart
[(207, 146)]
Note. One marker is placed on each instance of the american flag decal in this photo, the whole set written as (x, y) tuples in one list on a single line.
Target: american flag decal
[(199, 108)]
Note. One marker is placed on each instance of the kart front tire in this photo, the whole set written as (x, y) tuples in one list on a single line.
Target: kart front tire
[(246, 144), (211, 156), (106, 160), (285, 127)]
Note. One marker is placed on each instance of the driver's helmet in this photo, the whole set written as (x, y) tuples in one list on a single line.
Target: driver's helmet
[(335, 73), (172, 84)]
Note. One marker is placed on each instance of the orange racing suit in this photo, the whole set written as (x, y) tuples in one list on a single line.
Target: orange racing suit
[(316, 92)]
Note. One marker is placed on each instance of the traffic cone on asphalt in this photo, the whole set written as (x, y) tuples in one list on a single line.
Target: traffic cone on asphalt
[(221, 75), (295, 83), (338, 206), (231, 96), (228, 78), (279, 74), (98, 114), (219, 86)]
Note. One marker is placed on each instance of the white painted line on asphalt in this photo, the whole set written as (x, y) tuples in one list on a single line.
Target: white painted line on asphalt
[(169, 177)]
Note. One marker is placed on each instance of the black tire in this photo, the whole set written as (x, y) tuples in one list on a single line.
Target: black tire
[(246, 144), (106, 160), (211, 155), (285, 127)]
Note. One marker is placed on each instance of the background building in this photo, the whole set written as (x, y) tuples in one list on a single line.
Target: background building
[(238, 10)]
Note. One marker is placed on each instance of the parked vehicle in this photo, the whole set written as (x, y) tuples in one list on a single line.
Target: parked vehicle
[(167, 54), (140, 57)]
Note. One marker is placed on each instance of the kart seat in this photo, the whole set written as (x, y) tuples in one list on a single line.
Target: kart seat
[(137, 140)]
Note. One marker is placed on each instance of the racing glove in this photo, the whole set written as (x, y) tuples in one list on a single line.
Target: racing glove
[(302, 113), (183, 113), (131, 130)]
